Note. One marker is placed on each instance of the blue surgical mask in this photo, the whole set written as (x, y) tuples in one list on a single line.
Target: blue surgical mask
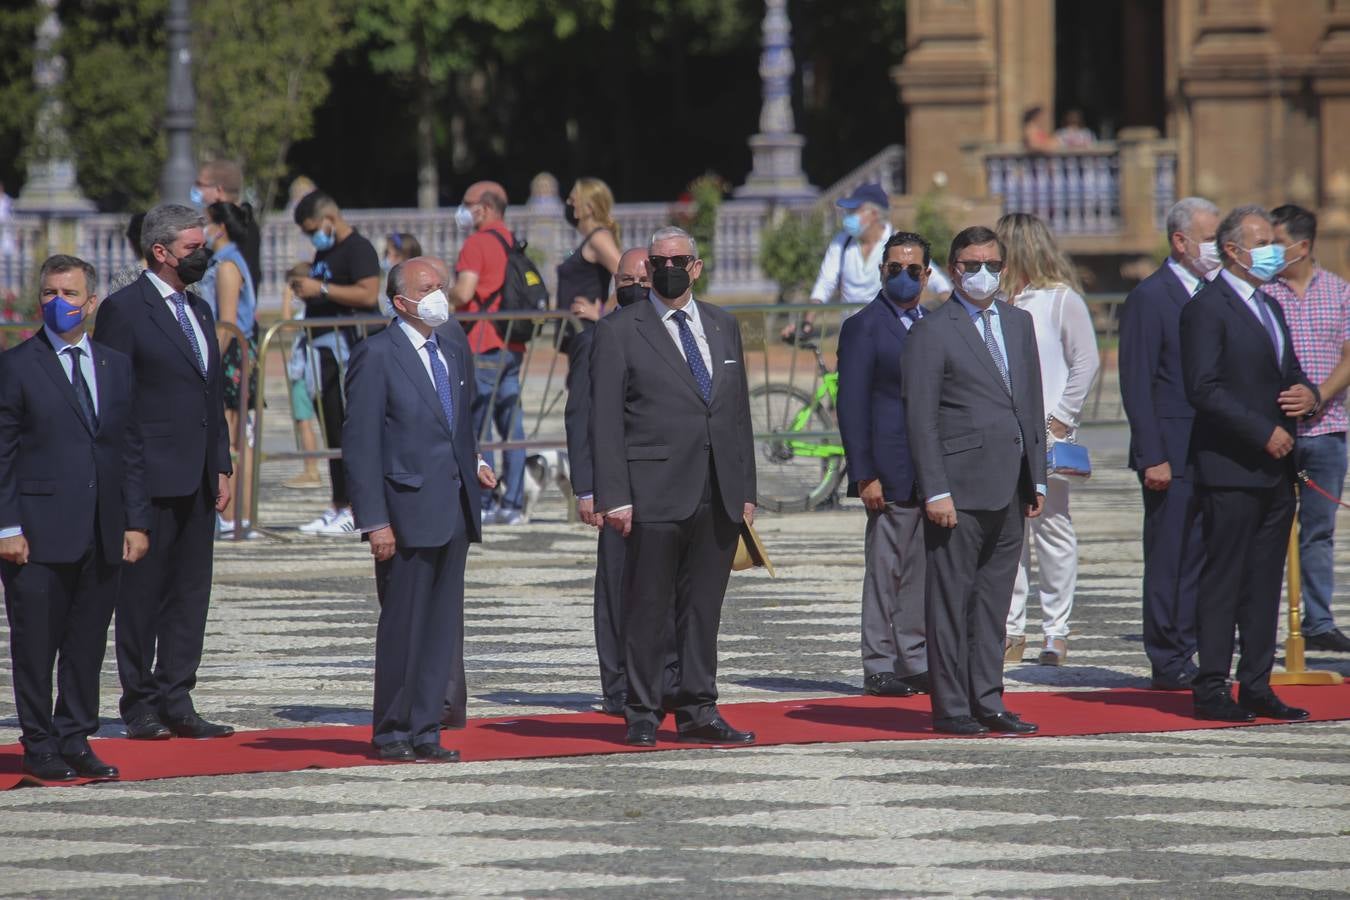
[(1267, 261), (61, 315), (852, 224), (323, 240), (195, 197), (902, 289)]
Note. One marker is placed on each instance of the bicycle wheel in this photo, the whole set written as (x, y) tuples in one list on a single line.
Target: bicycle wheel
[(791, 473)]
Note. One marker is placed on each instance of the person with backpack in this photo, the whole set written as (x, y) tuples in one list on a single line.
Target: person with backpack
[(492, 274)]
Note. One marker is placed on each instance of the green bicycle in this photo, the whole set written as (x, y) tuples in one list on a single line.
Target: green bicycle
[(800, 460)]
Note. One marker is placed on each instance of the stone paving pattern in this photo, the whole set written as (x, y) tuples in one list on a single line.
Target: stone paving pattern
[(1234, 813)]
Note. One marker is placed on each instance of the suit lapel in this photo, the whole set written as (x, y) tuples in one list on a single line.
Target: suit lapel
[(719, 348), (1175, 289), (650, 327), (56, 371), (970, 332), (412, 366), (1244, 313), (168, 323)]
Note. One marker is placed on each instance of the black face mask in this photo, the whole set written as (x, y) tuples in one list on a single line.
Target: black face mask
[(670, 282), (630, 294), (192, 267), (570, 215)]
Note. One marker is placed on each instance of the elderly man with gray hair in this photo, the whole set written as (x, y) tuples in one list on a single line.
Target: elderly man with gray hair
[(168, 332), (1160, 432)]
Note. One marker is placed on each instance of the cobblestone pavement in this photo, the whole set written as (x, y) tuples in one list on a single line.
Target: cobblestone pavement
[(1232, 813)]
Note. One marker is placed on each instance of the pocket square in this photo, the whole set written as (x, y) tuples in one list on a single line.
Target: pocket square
[(728, 362)]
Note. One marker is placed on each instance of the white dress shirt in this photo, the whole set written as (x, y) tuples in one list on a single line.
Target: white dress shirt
[(690, 308), (857, 277), (419, 345), (1248, 295), (1185, 276), (167, 293)]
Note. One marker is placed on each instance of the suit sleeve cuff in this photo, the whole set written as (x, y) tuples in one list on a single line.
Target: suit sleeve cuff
[(586, 496), (937, 497), (11, 532)]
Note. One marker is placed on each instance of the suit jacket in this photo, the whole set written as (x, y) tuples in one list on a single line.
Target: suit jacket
[(969, 437), (871, 405), (651, 432), (1151, 383), (60, 481), (406, 466), (181, 415), (1233, 380), (577, 415)]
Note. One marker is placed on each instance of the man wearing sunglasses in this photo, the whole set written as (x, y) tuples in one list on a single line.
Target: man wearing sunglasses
[(675, 474), (974, 411), (881, 471)]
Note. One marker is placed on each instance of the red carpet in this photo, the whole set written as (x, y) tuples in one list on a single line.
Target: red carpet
[(831, 720)]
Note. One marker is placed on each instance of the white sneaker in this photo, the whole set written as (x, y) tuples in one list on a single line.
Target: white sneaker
[(342, 523), (329, 517), (510, 517)]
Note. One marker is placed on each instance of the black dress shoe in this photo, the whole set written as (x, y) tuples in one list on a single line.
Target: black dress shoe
[(886, 684), (48, 767), (147, 728), (1332, 641), (435, 753), (641, 734), (716, 732), (1180, 682), (194, 726), (918, 683), (1008, 723), (396, 751), (87, 765), (1221, 709), (613, 706), (964, 725), (1271, 707)]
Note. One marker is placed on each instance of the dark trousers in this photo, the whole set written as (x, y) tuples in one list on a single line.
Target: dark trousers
[(58, 615), (971, 570), (679, 571), (161, 609), (1246, 535), (1174, 552), (609, 562), (334, 412), (419, 641), (893, 628)]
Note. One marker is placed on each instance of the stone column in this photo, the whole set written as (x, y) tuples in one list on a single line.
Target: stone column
[(1331, 86), (180, 166), (776, 173)]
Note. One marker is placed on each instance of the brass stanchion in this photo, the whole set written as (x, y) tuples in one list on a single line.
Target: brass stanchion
[(1294, 670)]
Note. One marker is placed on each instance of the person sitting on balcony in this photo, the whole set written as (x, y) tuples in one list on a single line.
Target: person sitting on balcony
[(1074, 133), (1036, 136)]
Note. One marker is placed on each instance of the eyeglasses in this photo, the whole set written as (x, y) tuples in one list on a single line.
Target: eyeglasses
[(893, 269), (971, 266), (682, 261)]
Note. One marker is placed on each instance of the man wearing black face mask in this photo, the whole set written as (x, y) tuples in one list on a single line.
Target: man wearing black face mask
[(675, 474), (162, 603), (632, 286), (881, 472)]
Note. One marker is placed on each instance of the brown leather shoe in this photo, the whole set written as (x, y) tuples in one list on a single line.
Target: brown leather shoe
[(1014, 645)]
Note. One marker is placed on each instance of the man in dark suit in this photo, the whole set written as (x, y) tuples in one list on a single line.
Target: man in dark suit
[(72, 509), (1160, 433), (973, 407), (1248, 390), (162, 603), (675, 474), (631, 285), (872, 422), (413, 467)]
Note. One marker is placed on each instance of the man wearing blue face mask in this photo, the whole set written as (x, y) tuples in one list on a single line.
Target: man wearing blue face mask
[(1248, 389), (881, 472)]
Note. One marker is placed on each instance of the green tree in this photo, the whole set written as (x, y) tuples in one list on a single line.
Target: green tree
[(790, 252), (18, 99)]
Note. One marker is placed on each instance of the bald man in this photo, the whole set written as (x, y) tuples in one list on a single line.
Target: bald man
[(480, 274)]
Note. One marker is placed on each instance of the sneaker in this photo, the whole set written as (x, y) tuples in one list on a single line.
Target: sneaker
[(225, 529), (342, 523), (510, 517), (328, 518)]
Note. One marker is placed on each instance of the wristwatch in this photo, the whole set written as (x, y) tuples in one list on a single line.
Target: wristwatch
[(323, 290)]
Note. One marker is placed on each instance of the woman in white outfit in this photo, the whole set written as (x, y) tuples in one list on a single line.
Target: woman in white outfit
[(1037, 277)]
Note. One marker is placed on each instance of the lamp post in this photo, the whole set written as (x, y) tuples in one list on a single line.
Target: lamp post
[(180, 167), (776, 173)]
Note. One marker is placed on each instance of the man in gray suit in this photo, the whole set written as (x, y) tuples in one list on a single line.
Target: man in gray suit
[(675, 474), (414, 472), (976, 423)]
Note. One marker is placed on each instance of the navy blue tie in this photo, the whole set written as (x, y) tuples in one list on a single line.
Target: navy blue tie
[(179, 301), (692, 355), (1268, 322), (442, 379)]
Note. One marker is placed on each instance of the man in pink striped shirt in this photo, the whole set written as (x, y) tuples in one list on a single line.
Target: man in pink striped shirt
[(1316, 305)]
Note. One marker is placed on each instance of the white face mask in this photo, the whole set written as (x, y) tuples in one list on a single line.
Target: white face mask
[(434, 309), (464, 217), (979, 286), (1208, 260)]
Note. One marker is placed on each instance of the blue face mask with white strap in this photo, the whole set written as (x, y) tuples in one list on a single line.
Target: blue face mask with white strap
[(852, 224), (323, 240), (902, 288), (1267, 261)]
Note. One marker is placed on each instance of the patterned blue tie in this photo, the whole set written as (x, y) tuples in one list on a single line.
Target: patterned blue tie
[(692, 355), (179, 301), (1272, 329), (442, 379), (913, 314)]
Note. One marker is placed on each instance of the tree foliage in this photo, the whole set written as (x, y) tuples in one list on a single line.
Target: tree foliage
[(790, 252), (18, 99)]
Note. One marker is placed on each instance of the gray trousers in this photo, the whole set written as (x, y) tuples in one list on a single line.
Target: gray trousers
[(893, 590)]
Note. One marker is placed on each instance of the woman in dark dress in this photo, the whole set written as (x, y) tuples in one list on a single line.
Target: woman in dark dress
[(584, 277)]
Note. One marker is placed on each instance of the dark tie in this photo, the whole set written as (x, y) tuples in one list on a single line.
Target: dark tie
[(913, 314), (1273, 330), (692, 356), (442, 379), (180, 303), (996, 353), (82, 394)]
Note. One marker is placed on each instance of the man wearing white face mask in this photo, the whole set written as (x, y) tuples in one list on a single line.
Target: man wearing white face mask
[(415, 483), (1160, 432)]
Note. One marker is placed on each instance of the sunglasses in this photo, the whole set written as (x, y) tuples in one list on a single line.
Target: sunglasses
[(993, 266), (682, 261), (914, 270)]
